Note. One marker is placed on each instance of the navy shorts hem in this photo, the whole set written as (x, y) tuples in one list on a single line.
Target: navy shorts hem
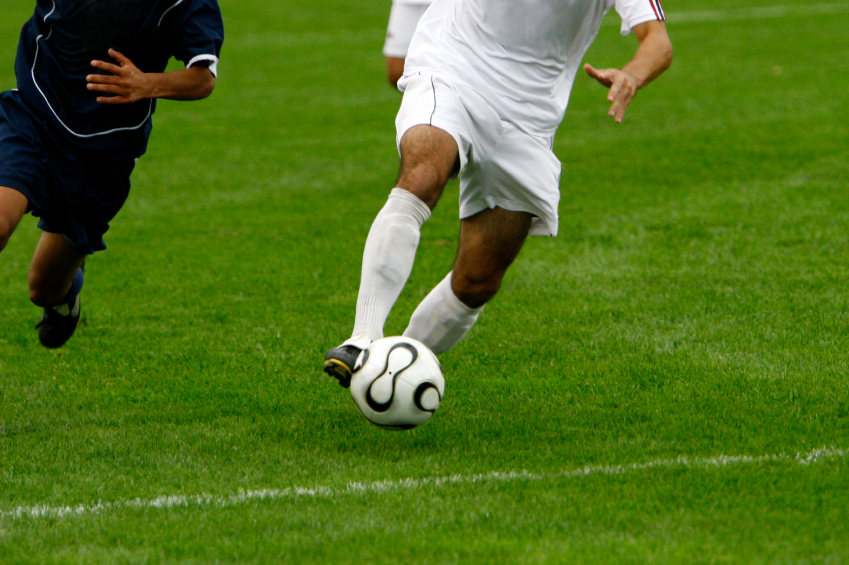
[(75, 193)]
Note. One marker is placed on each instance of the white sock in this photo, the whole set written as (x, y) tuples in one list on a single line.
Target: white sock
[(442, 320), (388, 259)]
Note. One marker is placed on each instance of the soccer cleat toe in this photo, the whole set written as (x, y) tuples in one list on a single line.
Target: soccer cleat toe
[(339, 363), (55, 327)]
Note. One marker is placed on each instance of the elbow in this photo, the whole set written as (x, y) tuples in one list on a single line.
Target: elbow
[(204, 83), (206, 87), (668, 53)]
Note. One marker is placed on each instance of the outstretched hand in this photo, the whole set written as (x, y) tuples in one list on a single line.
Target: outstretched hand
[(623, 86), (127, 83)]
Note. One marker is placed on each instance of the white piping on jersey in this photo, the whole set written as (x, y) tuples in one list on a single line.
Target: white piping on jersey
[(168, 10), (83, 135), (47, 16), (213, 68)]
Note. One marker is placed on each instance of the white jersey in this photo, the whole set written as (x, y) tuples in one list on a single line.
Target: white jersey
[(521, 56), (413, 2)]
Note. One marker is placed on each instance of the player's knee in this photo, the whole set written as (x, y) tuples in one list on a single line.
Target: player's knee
[(424, 179), (475, 291), (429, 157), (424, 173)]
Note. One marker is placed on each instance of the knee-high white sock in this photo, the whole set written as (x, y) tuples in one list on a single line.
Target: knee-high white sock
[(442, 320), (388, 259)]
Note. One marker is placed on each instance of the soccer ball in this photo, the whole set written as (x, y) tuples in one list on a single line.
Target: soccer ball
[(397, 383)]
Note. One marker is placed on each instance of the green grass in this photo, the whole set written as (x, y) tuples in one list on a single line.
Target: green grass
[(693, 306)]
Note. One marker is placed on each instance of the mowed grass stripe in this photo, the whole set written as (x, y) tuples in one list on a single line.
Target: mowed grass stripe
[(271, 39), (692, 306), (759, 13), (815, 456)]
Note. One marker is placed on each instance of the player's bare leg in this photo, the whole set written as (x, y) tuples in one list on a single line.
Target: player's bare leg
[(429, 156), (13, 206), (489, 242), (55, 280)]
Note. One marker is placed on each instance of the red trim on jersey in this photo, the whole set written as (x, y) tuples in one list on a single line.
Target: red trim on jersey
[(658, 9)]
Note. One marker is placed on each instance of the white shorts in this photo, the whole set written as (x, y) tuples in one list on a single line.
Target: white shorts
[(402, 23), (500, 165)]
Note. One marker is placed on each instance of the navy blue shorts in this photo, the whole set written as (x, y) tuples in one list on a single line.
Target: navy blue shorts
[(75, 193)]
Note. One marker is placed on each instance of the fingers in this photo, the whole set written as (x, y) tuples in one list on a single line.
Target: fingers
[(118, 56), (118, 82), (120, 68), (621, 93), (601, 76), (108, 67), (109, 88), (109, 84), (113, 100), (103, 79), (614, 91), (622, 85), (119, 94)]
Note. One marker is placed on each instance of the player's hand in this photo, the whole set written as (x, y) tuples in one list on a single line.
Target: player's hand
[(126, 83), (623, 88)]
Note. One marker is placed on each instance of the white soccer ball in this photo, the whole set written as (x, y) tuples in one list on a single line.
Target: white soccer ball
[(397, 383)]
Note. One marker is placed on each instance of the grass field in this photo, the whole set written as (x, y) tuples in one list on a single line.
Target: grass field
[(665, 382)]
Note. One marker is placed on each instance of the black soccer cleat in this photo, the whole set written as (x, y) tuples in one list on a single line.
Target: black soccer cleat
[(58, 323), (339, 363)]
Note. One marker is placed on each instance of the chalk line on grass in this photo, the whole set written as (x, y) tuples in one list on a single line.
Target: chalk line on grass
[(378, 487)]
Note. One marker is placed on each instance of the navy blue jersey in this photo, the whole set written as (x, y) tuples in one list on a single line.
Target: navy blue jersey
[(59, 42)]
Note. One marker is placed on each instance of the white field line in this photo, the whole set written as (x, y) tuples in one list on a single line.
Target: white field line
[(244, 496)]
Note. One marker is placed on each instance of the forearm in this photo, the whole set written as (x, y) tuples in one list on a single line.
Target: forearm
[(193, 83), (124, 83), (653, 56)]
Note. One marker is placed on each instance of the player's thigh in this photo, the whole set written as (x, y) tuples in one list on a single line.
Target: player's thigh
[(489, 243), (23, 163), (432, 134), (13, 206), (53, 266), (518, 173)]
